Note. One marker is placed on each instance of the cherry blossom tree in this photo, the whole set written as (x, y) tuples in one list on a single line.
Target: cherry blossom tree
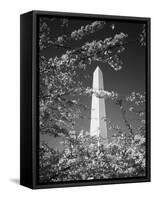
[(58, 84)]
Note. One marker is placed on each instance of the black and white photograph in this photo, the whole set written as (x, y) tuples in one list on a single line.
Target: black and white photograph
[(76, 100), (92, 99)]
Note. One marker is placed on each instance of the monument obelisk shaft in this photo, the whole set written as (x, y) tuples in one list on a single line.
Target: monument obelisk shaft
[(98, 124)]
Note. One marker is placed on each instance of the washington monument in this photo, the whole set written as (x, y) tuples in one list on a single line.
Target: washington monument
[(98, 125)]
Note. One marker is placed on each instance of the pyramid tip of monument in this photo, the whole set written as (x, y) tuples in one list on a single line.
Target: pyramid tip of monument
[(97, 68)]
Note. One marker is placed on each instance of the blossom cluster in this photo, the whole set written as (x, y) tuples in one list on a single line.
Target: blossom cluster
[(101, 93), (141, 113), (137, 98), (43, 35), (80, 33), (81, 149), (85, 30), (102, 51)]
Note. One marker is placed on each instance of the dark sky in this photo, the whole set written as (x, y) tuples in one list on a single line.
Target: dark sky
[(130, 78)]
